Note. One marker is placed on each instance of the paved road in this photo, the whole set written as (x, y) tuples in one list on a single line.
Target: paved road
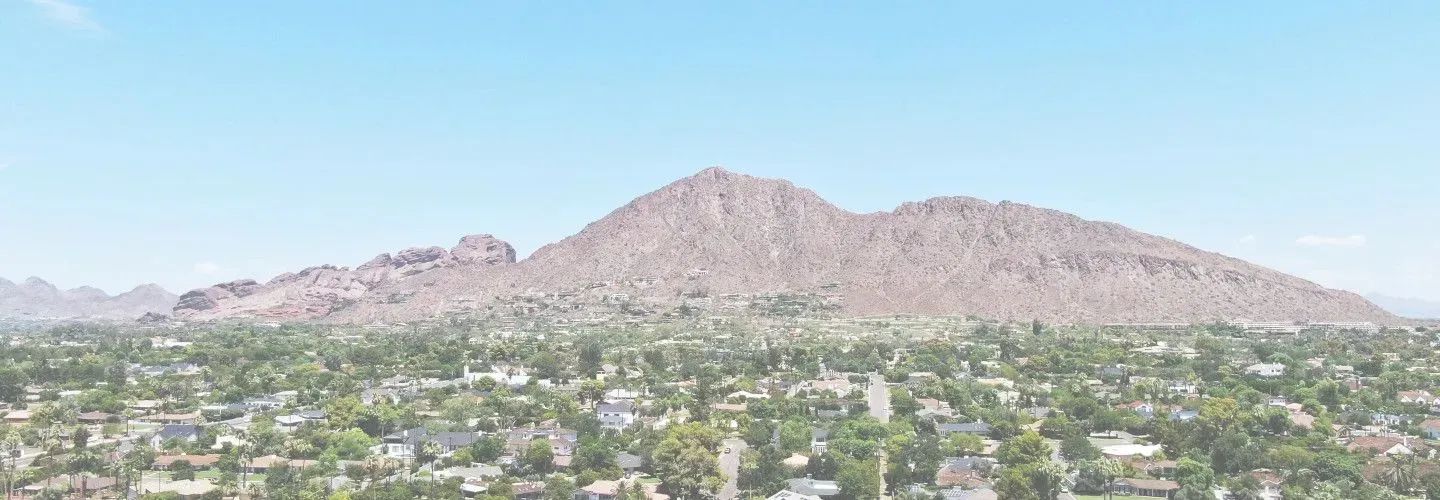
[(879, 398), (730, 467)]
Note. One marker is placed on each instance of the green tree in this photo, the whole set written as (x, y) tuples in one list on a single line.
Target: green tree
[(794, 436), (181, 470), (1194, 475), (859, 479), (539, 457), (344, 412), (761, 471), (1027, 448), (1076, 448), (685, 460), (559, 488)]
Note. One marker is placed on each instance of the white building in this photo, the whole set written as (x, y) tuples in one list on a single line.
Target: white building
[(1266, 369)]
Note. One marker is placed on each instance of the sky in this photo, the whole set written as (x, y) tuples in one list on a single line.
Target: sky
[(187, 143)]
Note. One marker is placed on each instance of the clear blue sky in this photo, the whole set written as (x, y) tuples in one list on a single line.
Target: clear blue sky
[(187, 142)]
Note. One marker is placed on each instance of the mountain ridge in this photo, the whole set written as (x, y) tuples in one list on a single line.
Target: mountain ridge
[(35, 298), (718, 232)]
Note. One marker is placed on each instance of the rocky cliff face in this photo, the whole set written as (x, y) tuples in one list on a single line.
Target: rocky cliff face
[(719, 232), (317, 291), (36, 299)]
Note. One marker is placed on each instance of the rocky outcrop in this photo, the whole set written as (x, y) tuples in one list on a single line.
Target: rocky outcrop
[(38, 299), (321, 290)]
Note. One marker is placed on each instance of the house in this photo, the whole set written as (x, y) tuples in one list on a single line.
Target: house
[(197, 462), (1121, 451), (608, 490), (814, 487), (1388, 420), (1158, 488), (407, 442), (1303, 420), (1183, 387), (17, 417), (1416, 397), (617, 415), (1271, 484), (1184, 415), (317, 416), (145, 406), (819, 441), (1388, 445), (981, 464), (747, 395), (964, 494), (184, 432), (562, 441), (629, 463), (621, 395), (480, 473), (83, 486), (95, 417), (1266, 370), (184, 490), (790, 495), (953, 475), (529, 490), (261, 465), (289, 422), (173, 418), (1143, 409), (265, 403), (452, 441), (403, 444), (1430, 428), (976, 428)]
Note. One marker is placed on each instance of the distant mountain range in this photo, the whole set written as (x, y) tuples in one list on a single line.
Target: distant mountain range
[(1407, 307), (37, 299), (718, 233)]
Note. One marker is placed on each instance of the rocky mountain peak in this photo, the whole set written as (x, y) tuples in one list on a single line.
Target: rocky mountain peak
[(483, 249)]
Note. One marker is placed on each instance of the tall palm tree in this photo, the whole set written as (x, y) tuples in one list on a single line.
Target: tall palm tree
[(244, 452), (9, 446)]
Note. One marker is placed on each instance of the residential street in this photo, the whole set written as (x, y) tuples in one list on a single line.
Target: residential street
[(879, 397), (730, 467)]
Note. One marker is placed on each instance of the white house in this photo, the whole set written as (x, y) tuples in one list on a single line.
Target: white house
[(1266, 370), (617, 415)]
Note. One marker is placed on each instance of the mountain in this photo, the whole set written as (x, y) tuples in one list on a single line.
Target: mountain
[(317, 291), (1407, 307), (36, 298), (718, 232)]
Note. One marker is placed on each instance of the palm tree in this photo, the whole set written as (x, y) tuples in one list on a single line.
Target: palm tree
[(1112, 469), (10, 444), (244, 452), (1400, 474), (430, 451)]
